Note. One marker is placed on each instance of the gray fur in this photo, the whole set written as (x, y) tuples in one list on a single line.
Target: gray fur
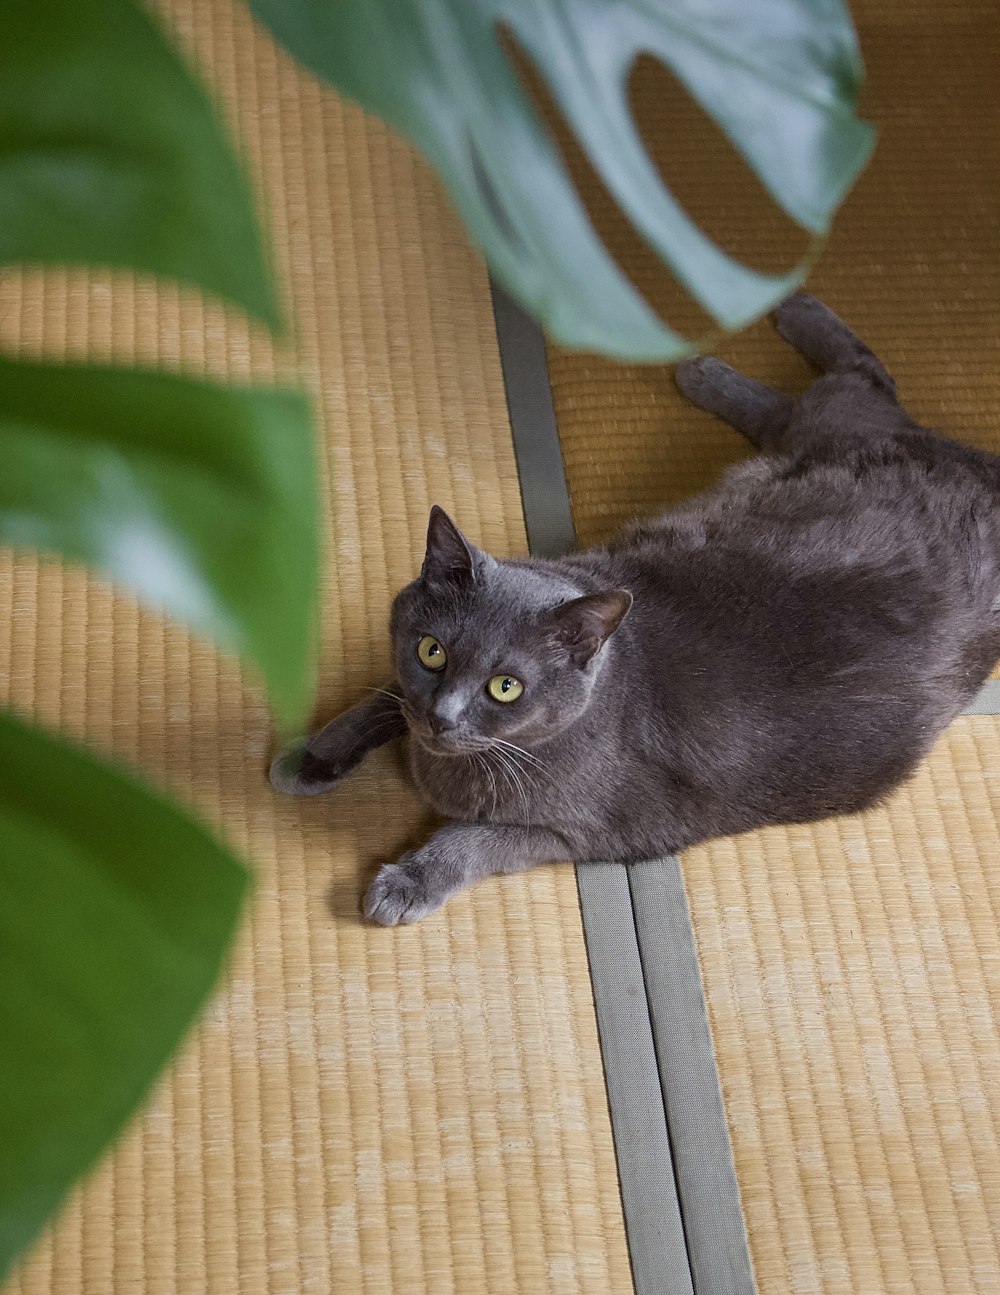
[(785, 647)]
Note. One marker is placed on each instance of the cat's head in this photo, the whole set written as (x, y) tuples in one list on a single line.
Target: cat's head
[(487, 650)]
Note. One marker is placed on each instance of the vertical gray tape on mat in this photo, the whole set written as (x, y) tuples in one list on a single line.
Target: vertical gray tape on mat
[(696, 1120), (657, 1245), (679, 1193), (544, 494), (988, 700)]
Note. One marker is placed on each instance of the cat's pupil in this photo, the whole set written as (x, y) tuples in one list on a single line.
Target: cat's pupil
[(506, 685)]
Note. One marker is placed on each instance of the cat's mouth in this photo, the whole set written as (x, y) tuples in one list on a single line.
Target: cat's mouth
[(446, 744), (443, 743), (440, 743)]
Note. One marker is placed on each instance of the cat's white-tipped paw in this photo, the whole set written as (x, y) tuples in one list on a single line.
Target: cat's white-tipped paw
[(297, 772), (399, 894)]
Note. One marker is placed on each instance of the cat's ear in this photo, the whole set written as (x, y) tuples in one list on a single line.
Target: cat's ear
[(450, 559), (585, 624)]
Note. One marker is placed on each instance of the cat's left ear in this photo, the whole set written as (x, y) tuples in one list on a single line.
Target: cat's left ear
[(450, 560), (584, 625)]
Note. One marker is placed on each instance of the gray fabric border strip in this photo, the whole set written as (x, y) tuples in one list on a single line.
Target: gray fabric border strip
[(988, 700), (679, 1192), (544, 493), (699, 1134), (656, 1236)]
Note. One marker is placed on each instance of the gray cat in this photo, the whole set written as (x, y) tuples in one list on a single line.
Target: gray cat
[(783, 648)]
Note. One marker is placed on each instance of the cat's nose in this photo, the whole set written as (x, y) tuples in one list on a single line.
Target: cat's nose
[(440, 723)]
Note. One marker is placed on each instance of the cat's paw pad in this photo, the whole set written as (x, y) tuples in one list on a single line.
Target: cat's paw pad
[(701, 376), (297, 772), (798, 310), (399, 894)]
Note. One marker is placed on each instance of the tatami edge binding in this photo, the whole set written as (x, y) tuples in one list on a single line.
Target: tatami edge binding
[(548, 518), (987, 701)]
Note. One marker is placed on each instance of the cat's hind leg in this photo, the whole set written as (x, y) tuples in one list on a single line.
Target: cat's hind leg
[(824, 338), (758, 411)]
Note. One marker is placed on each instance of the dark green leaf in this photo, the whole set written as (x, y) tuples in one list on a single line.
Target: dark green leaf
[(779, 76), (111, 154), (199, 497), (115, 913)]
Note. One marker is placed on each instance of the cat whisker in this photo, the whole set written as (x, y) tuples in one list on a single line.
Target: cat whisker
[(513, 777), (379, 724), (505, 770), (385, 693), (408, 713), (493, 785), (369, 734), (481, 760), (514, 755), (526, 755)]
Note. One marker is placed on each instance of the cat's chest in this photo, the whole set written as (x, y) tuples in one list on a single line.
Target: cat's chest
[(489, 786)]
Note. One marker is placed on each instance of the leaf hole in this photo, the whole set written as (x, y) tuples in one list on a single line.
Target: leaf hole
[(708, 175), (653, 280)]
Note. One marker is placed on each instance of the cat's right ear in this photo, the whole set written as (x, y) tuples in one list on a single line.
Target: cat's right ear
[(584, 625), (450, 559)]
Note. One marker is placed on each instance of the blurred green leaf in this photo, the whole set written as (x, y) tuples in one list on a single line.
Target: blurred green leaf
[(202, 498), (111, 154), (115, 912), (779, 76)]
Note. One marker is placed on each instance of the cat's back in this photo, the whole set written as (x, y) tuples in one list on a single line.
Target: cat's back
[(907, 510), (820, 603)]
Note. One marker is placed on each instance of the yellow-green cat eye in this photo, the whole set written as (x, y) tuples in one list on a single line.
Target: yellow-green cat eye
[(431, 654), (504, 687)]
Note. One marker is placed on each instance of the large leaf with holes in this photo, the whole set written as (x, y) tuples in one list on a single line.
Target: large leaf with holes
[(115, 913), (199, 497), (111, 154), (780, 77)]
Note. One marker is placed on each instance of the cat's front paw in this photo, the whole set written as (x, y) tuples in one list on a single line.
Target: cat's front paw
[(403, 892), (297, 772)]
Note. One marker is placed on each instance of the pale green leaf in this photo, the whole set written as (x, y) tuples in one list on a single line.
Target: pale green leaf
[(779, 76)]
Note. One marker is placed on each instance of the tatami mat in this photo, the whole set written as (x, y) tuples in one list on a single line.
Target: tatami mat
[(361, 1110), (852, 970)]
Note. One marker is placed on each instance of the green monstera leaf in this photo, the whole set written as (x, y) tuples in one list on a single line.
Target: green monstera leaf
[(780, 77), (115, 908), (111, 154), (200, 497), (115, 914)]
